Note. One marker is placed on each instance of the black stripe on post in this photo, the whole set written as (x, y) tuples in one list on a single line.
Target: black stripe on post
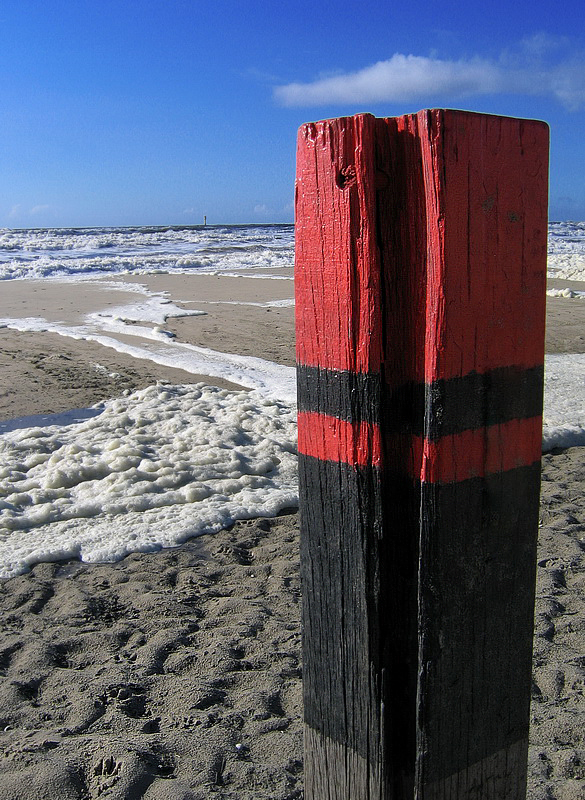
[(350, 396), (442, 408), (476, 401)]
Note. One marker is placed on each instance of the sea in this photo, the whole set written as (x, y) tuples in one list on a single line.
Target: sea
[(71, 252), (157, 466)]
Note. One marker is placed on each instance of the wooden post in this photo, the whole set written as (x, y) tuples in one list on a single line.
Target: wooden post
[(420, 295)]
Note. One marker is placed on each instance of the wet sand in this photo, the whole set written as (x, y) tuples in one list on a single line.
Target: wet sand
[(48, 373)]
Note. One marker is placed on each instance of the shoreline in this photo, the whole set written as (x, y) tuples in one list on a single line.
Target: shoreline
[(45, 372)]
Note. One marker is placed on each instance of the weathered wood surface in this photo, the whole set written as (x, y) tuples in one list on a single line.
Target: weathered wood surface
[(420, 291)]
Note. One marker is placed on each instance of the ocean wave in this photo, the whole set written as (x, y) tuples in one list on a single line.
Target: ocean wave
[(46, 253)]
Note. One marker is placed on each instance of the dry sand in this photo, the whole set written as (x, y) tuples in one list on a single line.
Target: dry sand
[(177, 675)]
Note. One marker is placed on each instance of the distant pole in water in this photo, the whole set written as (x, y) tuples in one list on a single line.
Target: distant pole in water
[(420, 282), (205, 220)]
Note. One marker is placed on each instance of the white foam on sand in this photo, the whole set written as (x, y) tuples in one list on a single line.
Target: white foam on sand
[(251, 275), (151, 470), (564, 401), (287, 302), (118, 328), (571, 293)]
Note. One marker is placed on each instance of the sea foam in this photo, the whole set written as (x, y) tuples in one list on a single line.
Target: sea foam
[(566, 250), (151, 470)]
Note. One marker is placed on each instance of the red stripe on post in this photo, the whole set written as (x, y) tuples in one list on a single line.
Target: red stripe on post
[(470, 454), (485, 451), (451, 459), (332, 439)]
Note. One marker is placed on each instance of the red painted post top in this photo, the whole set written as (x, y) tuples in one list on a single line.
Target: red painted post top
[(481, 243)]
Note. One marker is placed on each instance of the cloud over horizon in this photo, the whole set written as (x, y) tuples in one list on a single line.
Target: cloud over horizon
[(409, 77)]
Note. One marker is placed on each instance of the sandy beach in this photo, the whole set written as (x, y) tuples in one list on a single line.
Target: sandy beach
[(49, 372), (177, 675)]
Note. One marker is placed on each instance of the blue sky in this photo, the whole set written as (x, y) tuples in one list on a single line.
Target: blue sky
[(123, 112)]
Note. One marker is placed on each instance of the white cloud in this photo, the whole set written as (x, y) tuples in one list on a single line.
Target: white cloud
[(41, 209), (273, 213), (15, 211), (408, 77), (568, 84)]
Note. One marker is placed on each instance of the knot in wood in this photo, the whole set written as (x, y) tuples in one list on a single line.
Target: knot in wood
[(346, 177)]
